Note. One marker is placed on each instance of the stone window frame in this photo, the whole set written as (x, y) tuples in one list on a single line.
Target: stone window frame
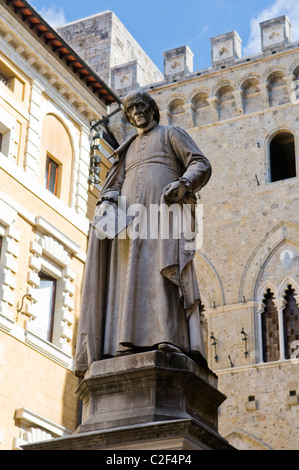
[(290, 320), (49, 255), (270, 138), (270, 328), (12, 80), (280, 303), (7, 129), (51, 163)]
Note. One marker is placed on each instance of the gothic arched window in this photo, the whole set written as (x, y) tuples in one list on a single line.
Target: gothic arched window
[(290, 321), (270, 329), (282, 157)]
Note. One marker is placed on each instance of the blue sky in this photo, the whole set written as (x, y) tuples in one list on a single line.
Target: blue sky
[(160, 25)]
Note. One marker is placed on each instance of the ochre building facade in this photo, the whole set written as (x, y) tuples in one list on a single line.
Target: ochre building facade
[(48, 97)]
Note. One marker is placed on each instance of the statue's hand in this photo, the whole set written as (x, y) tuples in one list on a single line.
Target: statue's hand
[(175, 191)]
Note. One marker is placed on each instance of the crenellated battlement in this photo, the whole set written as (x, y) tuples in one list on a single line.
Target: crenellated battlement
[(226, 50), (126, 66)]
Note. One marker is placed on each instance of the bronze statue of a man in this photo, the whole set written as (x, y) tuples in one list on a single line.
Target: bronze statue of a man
[(141, 293)]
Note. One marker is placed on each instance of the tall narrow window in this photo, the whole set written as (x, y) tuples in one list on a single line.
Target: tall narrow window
[(51, 178), (1, 138), (56, 150), (45, 307), (270, 329), (290, 321), (282, 157), (0, 245)]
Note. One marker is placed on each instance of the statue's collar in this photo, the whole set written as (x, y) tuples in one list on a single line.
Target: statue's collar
[(143, 130), (124, 146)]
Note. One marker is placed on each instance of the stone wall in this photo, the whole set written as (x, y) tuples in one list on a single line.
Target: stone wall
[(233, 110), (104, 43), (261, 411)]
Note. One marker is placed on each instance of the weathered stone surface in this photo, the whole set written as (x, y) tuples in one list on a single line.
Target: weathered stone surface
[(152, 400), (170, 435), (147, 387), (104, 43)]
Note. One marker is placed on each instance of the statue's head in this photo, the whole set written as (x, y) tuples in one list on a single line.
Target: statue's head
[(140, 109)]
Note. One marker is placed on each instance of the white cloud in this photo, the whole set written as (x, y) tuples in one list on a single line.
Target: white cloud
[(277, 8), (54, 15)]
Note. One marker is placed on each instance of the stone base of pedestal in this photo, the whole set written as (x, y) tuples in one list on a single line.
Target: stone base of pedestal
[(170, 435), (148, 401)]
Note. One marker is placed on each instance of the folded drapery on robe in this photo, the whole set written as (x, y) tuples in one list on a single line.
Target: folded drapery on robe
[(141, 291)]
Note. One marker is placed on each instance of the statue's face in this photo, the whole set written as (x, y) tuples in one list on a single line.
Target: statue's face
[(139, 112)]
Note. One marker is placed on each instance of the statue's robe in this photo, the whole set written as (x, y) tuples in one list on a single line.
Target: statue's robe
[(141, 292)]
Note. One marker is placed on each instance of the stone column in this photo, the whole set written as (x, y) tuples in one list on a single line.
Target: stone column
[(214, 103), (239, 101), (264, 89), (260, 310), (280, 305), (164, 117), (189, 114)]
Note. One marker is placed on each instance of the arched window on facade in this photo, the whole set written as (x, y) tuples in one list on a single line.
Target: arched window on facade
[(176, 112), (282, 157), (201, 109), (270, 329), (176, 106), (290, 321), (56, 159), (227, 105), (251, 95), (278, 93)]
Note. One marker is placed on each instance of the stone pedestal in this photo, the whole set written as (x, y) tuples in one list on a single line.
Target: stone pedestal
[(148, 401)]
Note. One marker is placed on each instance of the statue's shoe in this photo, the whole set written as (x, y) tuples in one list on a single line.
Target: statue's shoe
[(169, 348)]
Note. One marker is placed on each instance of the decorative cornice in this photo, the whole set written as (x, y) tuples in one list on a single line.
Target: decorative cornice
[(52, 41), (55, 79), (59, 80)]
